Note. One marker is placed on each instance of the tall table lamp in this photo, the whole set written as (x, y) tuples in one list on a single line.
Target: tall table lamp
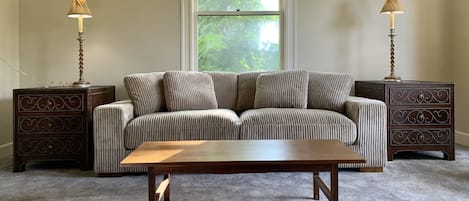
[(80, 10), (392, 7)]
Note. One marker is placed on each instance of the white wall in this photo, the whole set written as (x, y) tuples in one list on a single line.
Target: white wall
[(8, 66)]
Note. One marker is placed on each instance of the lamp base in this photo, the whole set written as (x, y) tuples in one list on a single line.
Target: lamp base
[(81, 84), (392, 78)]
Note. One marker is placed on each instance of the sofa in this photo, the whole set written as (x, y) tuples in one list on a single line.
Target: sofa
[(181, 105)]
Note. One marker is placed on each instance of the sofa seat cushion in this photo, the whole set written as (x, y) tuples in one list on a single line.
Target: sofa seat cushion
[(214, 124), (289, 123)]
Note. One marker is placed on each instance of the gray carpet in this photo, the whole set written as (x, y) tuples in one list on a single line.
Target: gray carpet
[(414, 176)]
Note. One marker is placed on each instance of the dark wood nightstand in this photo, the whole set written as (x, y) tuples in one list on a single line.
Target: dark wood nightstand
[(420, 114), (56, 123)]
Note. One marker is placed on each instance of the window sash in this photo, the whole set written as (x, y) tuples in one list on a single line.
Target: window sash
[(238, 13)]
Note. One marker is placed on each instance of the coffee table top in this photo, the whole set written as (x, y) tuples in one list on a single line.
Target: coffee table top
[(238, 151)]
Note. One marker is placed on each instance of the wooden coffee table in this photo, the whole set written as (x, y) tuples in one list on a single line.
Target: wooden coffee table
[(242, 156)]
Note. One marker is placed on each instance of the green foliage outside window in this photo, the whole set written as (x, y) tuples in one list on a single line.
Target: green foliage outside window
[(238, 43)]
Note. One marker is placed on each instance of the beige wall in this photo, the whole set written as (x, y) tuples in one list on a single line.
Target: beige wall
[(460, 63), (351, 36), (332, 35), (8, 66), (123, 37)]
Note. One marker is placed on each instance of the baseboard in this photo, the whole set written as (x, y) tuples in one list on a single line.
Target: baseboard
[(462, 138), (6, 149)]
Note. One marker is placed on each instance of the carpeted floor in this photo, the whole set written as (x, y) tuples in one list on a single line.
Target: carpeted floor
[(414, 176)]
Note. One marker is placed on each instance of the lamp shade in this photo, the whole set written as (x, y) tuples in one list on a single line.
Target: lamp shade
[(78, 9), (392, 6)]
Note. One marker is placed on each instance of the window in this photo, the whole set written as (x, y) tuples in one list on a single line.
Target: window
[(234, 35)]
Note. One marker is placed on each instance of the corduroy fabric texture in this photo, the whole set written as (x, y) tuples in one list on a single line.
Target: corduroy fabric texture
[(226, 88), (189, 91), (216, 124), (247, 90), (329, 91), (110, 121), (285, 89), (287, 123), (146, 92), (370, 117)]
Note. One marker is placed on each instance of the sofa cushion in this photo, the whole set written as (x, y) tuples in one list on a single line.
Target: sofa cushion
[(285, 89), (146, 92), (189, 91), (329, 90), (287, 123), (246, 90), (226, 88), (215, 124)]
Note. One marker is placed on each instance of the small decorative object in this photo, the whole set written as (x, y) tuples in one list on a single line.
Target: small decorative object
[(392, 7), (80, 10)]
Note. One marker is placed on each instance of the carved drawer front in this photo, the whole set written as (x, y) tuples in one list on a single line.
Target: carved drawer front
[(419, 96), (50, 124), (50, 146), (434, 136), (50, 102), (413, 116)]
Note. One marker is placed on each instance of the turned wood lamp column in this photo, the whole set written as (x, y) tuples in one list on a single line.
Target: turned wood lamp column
[(80, 10), (392, 7)]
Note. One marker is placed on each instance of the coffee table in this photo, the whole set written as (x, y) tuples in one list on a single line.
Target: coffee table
[(242, 156)]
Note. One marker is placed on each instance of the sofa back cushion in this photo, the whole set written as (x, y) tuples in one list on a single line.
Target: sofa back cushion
[(189, 91), (146, 92), (226, 88), (246, 90), (329, 90), (284, 89)]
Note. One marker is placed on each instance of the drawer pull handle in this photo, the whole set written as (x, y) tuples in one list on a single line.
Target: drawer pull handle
[(50, 147), (49, 125), (49, 102), (421, 96), (421, 117)]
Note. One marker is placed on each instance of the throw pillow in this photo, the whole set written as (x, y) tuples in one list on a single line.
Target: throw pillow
[(329, 90), (146, 92), (189, 91), (285, 89)]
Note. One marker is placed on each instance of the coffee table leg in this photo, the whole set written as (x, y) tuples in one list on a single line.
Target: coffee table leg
[(315, 185), (151, 184), (166, 192), (334, 182)]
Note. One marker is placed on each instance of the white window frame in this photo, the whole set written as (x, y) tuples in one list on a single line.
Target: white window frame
[(189, 16)]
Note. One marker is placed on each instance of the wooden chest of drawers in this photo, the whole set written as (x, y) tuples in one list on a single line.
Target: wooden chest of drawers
[(420, 114), (56, 123)]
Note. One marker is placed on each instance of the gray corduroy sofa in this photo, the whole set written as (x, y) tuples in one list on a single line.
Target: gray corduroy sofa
[(240, 112)]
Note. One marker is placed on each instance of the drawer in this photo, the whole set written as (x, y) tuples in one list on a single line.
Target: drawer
[(419, 96), (50, 124), (408, 137), (50, 146), (50, 102), (420, 116)]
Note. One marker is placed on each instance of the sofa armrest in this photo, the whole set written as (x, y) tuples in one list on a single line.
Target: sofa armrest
[(370, 117), (109, 122)]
